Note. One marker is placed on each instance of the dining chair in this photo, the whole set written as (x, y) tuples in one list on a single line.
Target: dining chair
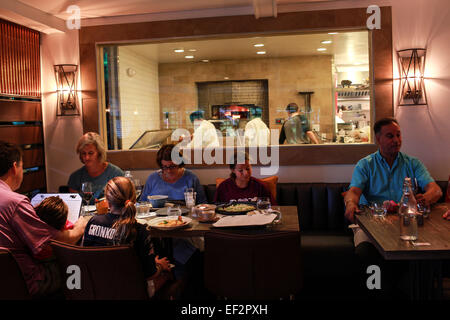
[(253, 266), (100, 273), (12, 283)]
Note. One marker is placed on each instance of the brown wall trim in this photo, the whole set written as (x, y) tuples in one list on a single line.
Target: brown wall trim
[(342, 19), (288, 155)]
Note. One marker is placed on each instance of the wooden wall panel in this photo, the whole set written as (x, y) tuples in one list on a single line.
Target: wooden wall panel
[(20, 93), (32, 181), (19, 60), (22, 134), (13, 110), (33, 158)]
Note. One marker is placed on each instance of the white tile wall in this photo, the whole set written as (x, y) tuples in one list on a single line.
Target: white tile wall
[(139, 95)]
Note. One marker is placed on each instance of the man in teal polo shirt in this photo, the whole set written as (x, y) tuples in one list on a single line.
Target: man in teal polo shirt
[(380, 176)]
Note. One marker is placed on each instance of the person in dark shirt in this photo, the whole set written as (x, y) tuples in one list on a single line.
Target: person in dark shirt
[(241, 186), (296, 129), (120, 227)]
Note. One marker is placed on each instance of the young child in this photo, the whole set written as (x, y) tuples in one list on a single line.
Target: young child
[(53, 211)]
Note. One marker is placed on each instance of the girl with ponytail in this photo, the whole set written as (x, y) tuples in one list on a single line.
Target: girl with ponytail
[(119, 227)]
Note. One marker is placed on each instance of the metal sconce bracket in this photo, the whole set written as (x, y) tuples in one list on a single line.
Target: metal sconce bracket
[(412, 86), (66, 81)]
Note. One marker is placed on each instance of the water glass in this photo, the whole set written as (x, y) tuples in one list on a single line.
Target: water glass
[(174, 212), (423, 211), (142, 208), (378, 209), (189, 198), (138, 187), (263, 203)]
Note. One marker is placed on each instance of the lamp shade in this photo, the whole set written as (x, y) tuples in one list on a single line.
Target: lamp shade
[(66, 82), (412, 68)]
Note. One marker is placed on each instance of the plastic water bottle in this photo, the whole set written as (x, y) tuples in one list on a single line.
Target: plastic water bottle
[(408, 213)]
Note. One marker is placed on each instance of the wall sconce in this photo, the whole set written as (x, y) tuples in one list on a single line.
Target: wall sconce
[(66, 81), (412, 67)]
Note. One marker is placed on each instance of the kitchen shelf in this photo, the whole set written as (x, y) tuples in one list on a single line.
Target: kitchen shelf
[(353, 99)]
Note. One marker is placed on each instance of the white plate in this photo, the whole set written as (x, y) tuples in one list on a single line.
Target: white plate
[(244, 220), (154, 223), (163, 211), (145, 215)]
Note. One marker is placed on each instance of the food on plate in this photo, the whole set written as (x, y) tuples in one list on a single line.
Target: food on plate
[(172, 223), (240, 207)]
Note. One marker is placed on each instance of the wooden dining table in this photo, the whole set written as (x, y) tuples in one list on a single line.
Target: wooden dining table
[(425, 255), (289, 222)]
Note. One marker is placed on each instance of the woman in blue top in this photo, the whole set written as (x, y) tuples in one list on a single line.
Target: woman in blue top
[(172, 179), (95, 168)]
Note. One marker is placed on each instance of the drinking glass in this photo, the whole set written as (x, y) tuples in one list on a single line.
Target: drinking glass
[(138, 187), (378, 209), (189, 197), (277, 211), (414, 186), (87, 194), (86, 190), (174, 212), (263, 203)]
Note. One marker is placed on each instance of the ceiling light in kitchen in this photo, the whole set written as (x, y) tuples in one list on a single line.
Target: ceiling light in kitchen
[(326, 41), (261, 52), (259, 45), (321, 49), (178, 50), (189, 57)]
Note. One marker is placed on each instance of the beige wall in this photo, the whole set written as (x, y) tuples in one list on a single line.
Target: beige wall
[(139, 95), (286, 77), (60, 133), (426, 133)]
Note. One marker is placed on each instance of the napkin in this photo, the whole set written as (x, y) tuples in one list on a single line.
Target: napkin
[(245, 220)]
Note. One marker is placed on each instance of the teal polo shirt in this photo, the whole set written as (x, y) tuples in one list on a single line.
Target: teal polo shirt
[(378, 181)]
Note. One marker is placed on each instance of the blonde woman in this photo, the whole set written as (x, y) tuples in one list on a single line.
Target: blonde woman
[(120, 227), (92, 153)]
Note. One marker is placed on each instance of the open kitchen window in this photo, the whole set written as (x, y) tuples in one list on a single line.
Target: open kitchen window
[(150, 90)]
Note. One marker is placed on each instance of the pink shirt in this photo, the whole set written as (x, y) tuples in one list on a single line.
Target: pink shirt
[(23, 233)]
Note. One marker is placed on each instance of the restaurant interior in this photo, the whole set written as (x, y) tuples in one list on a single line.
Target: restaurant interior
[(133, 72)]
